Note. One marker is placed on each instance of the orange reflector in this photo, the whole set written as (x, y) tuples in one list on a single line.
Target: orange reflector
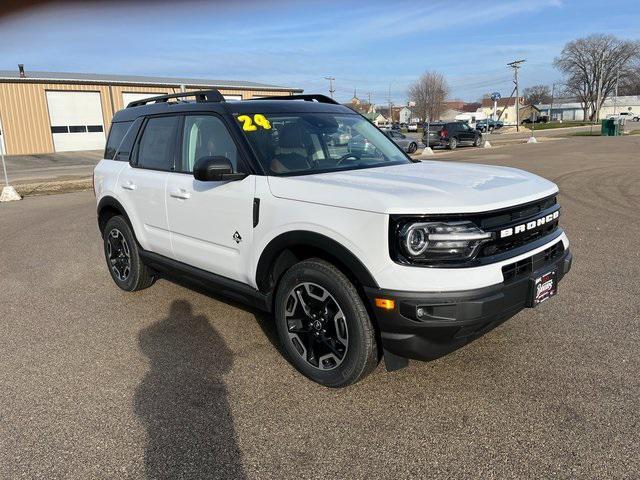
[(385, 303)]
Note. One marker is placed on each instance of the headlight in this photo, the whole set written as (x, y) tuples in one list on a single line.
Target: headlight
[(441, 241)]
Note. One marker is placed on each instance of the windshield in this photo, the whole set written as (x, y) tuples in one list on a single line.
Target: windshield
[(305, 143)]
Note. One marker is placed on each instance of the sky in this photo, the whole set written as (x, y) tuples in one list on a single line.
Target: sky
[(375, 47)]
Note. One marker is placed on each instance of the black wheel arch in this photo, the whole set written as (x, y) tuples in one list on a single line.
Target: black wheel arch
[(291, 247), (110, 207)]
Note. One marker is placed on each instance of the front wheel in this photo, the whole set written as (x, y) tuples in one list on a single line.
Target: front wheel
[(453, 143), (412, 147), (479, 141), (323, 325)]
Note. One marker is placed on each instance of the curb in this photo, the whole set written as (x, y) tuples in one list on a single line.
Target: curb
[(53, 187)]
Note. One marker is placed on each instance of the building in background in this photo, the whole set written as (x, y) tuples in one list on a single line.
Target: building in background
[(45, 112), (506, 109), (570, 109)]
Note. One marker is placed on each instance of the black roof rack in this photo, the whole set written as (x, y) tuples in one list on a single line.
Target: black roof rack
[(308, 98), (202, 96)]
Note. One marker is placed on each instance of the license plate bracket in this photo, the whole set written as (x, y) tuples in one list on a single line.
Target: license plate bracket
[(544, 285)]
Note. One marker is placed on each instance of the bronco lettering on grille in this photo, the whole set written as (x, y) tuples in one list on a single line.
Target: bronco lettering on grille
[(507, 232)]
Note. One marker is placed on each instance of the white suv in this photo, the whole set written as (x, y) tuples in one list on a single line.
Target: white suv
[(357, 250)]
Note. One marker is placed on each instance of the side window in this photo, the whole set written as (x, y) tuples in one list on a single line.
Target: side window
[(155, 150), (116, 134), (123, 152), (206, 136)]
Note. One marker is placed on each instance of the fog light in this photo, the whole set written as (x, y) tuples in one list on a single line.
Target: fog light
[(420, 312)]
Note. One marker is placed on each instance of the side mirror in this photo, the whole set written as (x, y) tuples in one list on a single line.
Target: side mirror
[(215, 169)]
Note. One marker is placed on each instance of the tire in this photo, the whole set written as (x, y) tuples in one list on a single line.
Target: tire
[(479, 141), (453, 143), (412, 147), (334, 353), (122, 255)]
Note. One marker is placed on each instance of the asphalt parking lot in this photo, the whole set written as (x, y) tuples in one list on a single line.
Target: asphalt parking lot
[(174, 383)]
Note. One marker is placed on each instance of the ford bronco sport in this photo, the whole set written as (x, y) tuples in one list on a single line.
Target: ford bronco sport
[(359, 253)]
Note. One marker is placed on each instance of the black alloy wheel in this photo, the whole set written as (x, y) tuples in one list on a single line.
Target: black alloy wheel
[(123, 258), (323, 324), (119, 255), (316, 326)]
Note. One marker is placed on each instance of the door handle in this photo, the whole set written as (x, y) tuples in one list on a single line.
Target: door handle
[(129, 185), (180, 193)]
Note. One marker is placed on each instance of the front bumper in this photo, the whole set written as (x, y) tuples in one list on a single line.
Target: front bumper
[(452, 319)]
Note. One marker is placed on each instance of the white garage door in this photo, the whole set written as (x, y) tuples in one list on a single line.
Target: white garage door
[(232, 97), (76, 121), (127, 98)]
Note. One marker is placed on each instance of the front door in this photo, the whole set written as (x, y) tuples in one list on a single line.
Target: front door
[(211, 222)]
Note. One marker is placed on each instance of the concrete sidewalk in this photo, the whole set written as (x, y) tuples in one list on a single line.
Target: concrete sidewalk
[(51, 167)]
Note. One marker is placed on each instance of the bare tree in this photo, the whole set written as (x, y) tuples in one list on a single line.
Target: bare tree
[(630, 83), (537, 94), (429, 93), (592, 66)]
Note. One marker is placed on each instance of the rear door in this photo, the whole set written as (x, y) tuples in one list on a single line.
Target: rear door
[(211, 222), (432, 133), (466, 133), (141, 185)]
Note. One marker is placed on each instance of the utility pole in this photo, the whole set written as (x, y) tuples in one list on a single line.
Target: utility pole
[(516, 66), (389, 99), (331, 89), (615, 103)]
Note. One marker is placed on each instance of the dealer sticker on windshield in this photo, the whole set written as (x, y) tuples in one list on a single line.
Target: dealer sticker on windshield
[(251, 124), (544, 287)]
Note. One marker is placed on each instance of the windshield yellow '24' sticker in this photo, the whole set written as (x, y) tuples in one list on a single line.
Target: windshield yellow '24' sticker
[(251, 125)]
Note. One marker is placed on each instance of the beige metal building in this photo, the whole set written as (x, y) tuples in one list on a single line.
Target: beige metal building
[(45, 112)]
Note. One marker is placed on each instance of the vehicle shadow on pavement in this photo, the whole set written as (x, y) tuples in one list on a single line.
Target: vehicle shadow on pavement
[(182, 400)]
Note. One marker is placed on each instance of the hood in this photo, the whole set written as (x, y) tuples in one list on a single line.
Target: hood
[(417, 188)]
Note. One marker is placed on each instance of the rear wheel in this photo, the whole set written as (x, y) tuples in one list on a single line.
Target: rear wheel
[(122, 256), (453, 143), (323, 324), (412, 147)]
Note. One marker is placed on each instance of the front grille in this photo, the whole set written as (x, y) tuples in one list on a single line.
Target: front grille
[(542, 214), (496, 222), (531, 264)]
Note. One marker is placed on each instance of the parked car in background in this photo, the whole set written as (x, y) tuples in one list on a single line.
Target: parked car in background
[(360, 145), (451, 135), (340, 137), (493, 125), (412, 127), (472, 118), (626, 115), (408, 144)]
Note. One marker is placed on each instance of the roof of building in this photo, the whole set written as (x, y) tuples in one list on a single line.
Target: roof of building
[(14, 75), (502, 102)]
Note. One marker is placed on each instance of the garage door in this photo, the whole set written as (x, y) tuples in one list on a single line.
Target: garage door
[(127, 98), (76, 121), (232, 97)]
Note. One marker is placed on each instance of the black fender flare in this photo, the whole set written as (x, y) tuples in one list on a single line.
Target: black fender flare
[(110, 202), (305, 238)]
